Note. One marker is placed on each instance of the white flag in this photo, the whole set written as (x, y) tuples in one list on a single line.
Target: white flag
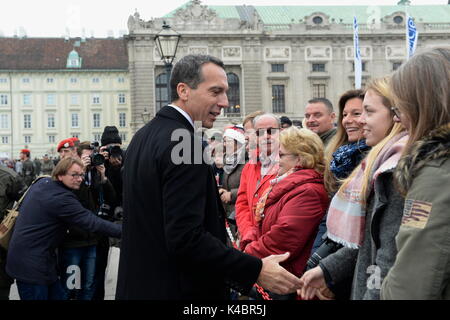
[(411, 37), (357, 55)]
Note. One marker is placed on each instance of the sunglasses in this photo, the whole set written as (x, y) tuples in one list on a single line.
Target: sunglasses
[(269, 131)]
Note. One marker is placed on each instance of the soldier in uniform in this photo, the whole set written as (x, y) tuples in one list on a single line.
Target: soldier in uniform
[(28, 172)]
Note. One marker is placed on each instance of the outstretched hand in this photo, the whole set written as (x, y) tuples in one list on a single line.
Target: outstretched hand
[(313, 283), (275, 278)]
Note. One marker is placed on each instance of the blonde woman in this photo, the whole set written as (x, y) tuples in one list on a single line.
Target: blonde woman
[(422, 268), (365, 214), (289, 211)]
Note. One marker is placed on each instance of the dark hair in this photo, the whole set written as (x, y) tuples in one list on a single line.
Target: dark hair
[(189, 70), (325, 101), (285, 119)]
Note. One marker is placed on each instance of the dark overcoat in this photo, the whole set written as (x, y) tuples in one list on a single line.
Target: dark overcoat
[(174, 239)]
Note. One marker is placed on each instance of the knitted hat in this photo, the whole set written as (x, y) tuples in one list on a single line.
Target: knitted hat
[(236, 133), (66, 143), (110, 135)]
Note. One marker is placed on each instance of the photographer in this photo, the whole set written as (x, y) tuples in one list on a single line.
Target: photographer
[(80, 247), (113, 154)]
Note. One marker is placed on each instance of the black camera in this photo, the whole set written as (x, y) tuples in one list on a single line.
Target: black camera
[(114, 151), (97, 159), (327, 247), (105, 212)]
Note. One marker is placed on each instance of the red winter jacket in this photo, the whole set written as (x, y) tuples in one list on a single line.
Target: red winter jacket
[(292, 214), (251, 188)]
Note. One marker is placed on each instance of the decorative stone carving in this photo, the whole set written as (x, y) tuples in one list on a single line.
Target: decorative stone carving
[(317, 20), (366, 52), (324, 53), (231, 53), (198, 50), (277, 53), (195, 11), (395, 52)]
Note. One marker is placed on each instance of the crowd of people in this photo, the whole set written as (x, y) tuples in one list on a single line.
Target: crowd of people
[(354, 205)]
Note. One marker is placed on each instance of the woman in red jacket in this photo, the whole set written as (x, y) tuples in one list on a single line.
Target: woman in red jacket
[(290, 210)]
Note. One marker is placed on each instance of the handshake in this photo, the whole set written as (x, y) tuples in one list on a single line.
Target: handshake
[(275, 278)]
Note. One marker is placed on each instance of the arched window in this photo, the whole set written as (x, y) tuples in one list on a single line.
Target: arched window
[(233, 95), (162, 93)]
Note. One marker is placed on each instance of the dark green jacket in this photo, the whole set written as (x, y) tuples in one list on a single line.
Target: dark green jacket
[(327, 136)]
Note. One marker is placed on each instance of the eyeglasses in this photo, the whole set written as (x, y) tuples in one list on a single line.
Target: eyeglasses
[(285, 154), (76, 175), (396, 112), (270, 131)]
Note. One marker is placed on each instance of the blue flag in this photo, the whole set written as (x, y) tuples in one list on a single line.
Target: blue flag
[(412, 36)]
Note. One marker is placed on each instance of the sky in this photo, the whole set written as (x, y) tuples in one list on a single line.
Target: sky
[(102, 18)]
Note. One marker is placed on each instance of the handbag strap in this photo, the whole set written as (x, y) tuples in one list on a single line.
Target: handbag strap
[(18, 203)]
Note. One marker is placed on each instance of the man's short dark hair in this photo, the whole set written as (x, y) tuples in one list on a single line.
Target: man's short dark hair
[(189, 70), (286, 120), (325, 101)]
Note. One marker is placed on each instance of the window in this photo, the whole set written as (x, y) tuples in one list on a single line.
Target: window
[(27, 139), (162, 93), (121, 80), (5, 139), (396, 65), (95, 80), (363, 66), (122, 119), (74, 99), (74, 120), (277, 67), (318, 67), (3, 99), (319, 91), (25, 80), (4, 121), (27, 99), (76, 135), (50, 120), (51, 99), (121, 98), (3, 80), (49, 80), (73, 80), (96, 98), (317, 20), (97, 136), (51, 139), (398, 19), (278, 100), (233, 95), (96, 120), (27, 121), (123, 136)]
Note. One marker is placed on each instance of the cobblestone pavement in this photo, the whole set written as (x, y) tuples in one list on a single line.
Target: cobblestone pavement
[(111, 277)]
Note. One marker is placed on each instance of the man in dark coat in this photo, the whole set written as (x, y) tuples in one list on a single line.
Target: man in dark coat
[(173, 244)]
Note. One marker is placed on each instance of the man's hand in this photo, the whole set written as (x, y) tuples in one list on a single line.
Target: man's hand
[(101, 169), (104, 153), (313, 281), (225, 196), (86, 160), (275, 278)]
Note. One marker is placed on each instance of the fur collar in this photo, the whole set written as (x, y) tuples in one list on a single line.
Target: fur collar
[(436, 145)]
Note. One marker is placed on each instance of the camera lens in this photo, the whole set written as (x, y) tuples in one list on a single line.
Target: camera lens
[(97, 159)]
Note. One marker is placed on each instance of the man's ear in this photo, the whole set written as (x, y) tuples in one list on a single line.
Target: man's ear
[(183, 91), (333, 116)]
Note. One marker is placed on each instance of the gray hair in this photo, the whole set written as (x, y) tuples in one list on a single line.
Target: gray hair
[(264, 115), (189, 70), (325, 101)]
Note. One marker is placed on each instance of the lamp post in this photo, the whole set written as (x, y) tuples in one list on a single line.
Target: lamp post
[(167, 42)]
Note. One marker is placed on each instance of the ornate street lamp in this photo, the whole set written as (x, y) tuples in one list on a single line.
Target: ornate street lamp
[(167, 42)]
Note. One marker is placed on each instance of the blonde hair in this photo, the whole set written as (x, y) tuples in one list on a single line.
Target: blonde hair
[(307, 145), (252, 116), (64, 166), (381, 88), (421, 90), (339, 139)]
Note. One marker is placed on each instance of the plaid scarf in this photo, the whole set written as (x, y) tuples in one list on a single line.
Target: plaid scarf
[(347, 212), (260, 206)]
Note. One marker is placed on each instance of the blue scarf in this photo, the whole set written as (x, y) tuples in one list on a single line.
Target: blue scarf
[(347, 157)]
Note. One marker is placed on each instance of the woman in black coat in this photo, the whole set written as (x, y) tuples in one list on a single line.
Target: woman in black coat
[(47, 210)]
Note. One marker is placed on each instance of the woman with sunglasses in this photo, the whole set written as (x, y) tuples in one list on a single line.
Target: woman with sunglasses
[(290, 209), (365, 213), (422, 268)]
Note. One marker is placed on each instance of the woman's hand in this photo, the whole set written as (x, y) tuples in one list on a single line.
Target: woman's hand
[(312, 282)]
